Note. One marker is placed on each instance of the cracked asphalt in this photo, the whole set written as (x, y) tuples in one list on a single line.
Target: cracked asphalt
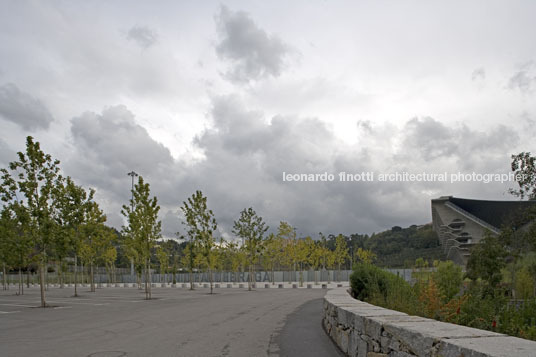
[(178, 322)]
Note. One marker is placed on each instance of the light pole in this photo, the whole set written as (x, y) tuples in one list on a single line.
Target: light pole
[(132, 174)]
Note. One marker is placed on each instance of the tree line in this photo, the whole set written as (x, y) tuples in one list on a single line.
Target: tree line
[(47, 218)]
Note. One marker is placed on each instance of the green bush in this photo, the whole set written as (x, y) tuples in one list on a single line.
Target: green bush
[(377, 286)]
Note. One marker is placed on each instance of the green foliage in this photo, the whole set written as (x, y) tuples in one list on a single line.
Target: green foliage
[(143, 227), (201, 225), (396, 247), (449, 278), (524, 284), (34, 175), (486, 261), (524, 164), (373, 284), (251, 228), (341, 250)]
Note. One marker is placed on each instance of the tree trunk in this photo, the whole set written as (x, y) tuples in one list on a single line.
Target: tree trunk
[(210, 279), (3, 276), (250, 270), (60, 274), (301, 275), (92, 277), (289, 274), (21, 284), (147, 280), (28, 277), (75, 275), (46, 276), (42, 283)]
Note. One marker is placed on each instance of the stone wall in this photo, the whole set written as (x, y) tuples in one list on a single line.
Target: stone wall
[(364, 330)]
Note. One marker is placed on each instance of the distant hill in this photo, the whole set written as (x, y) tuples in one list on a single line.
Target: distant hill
[(400, 247)]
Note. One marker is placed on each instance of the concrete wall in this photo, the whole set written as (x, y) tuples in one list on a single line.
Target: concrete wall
[(442, 217), (364, 330)]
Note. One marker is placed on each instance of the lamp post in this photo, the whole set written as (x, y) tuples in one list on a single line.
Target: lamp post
[(132, 174)]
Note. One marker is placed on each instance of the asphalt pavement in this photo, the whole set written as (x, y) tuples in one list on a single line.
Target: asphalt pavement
[(115, 322)]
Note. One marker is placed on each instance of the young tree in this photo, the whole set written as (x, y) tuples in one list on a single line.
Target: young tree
[(288, 234), (251, 228), (303, 251), (73, 204), (6, 231), (143, 227), (486, 261), (316, 256), (109, 256), (201, 225), (172, 249), (449, 278), (36, 175), (16, 240), (95, 239), (341, 253), (272, 256), (163, 259), (366, 256), (188, 260), (237, 258)]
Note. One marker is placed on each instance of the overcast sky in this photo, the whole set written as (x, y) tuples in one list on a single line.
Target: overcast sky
[(226, 96)]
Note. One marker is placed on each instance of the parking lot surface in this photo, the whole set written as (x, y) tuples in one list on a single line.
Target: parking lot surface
[(177, 322)]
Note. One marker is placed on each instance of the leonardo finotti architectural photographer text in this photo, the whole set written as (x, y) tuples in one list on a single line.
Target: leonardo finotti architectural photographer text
[(370, 176)]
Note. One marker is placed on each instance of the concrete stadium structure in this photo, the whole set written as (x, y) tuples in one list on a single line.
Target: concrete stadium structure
[(460, 223)]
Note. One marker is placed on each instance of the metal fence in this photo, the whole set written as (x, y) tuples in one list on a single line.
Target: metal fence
[(124, 276)]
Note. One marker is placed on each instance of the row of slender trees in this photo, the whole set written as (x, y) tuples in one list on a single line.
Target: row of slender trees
[(46, 217)]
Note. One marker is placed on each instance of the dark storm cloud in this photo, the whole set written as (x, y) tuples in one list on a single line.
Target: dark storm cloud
[(245, 155), (430, 139), (23, 109), (253, 53), (144, 36), (111, 144)]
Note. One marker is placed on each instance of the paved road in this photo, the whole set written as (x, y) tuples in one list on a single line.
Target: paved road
[(118, 322)]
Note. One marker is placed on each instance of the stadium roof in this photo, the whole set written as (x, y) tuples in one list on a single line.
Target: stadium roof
[(498, 213)]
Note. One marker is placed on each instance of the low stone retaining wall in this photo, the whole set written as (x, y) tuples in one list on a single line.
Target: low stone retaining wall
[(365, 330)]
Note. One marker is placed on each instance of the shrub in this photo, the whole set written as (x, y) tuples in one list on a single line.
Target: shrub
[(377, 286)]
